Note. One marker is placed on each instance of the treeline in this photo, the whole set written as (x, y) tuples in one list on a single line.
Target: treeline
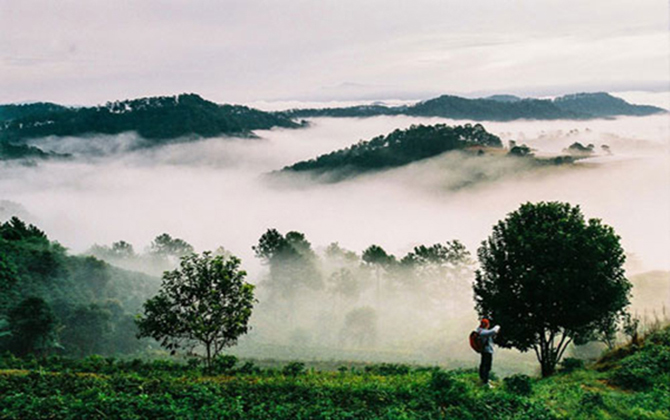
[(55, 303), (52, 302), (400, 148), (163, 254), (338, 298), (497, 108), (333, 298), (156, 119), (17, 111)]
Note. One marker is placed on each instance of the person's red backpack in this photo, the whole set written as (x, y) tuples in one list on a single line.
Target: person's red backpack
[(476, 342)]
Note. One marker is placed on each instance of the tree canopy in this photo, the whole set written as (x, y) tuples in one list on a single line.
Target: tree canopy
[(203, 302), (33, 327), (549, 278), (164, 246), (292, 262)]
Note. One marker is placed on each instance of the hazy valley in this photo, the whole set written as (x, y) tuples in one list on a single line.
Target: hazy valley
[(221, 192)]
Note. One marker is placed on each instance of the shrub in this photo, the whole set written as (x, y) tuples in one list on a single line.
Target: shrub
[(519, 384), (446, 389), (570, 364), (293, 369), (223, 364), (644, 368), (161, 365), (592, 400), (193, 363), (661, 337), (249, 368), (388, 369)]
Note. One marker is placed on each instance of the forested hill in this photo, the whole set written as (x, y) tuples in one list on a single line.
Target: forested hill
[(156, 119), (497, 108), (86, 305), (400, 148), (602, 105)]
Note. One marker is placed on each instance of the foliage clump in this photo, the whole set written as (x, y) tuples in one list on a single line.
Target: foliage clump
[(446, 389), (570, 364), (648, 366), (388, 369), (519, 384), (223, 363), (293, 368)]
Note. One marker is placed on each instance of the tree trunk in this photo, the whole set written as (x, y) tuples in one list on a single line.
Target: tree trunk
[(549, 361), (548, 367)]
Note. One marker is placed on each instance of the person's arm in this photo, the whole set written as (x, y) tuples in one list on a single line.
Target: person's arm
[(487, 333)]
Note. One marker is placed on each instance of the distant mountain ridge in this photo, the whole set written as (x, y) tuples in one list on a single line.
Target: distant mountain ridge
[(578, 106), (602, 104), (167, 118), (157, 119)]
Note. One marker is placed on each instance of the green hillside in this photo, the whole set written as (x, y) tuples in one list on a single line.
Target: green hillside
[(632, 382), (75, 305)]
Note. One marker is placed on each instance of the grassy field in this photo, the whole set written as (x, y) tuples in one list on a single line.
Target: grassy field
[(632, 382)]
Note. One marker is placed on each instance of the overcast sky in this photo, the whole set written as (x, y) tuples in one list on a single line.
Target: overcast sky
[(241, 51)]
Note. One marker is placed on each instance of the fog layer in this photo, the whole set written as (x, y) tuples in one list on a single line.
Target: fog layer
[(216, 193), (213, 192)]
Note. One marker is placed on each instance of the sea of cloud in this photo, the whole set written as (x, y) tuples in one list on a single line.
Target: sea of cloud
[(215, 192), (218, 192)]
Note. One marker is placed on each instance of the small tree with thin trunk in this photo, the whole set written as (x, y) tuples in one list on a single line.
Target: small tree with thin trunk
[(203, 302), (550, 278)]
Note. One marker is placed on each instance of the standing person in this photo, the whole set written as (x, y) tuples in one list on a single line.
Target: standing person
[(486, 335)]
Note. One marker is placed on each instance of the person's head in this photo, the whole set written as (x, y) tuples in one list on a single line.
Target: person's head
[(485, 323)]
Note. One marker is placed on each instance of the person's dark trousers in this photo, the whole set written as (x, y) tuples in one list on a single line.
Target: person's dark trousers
[(485, 367)]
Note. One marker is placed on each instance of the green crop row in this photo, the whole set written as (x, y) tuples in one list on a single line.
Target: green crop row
[(634, 385)]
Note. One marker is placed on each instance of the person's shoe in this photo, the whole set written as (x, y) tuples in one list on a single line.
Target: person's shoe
[(489, 385)]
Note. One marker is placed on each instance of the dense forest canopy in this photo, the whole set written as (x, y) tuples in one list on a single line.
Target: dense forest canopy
[(89, 304), (17, 111), (157, 119)]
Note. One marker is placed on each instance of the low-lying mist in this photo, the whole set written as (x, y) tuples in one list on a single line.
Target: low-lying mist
[(215, 192)]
